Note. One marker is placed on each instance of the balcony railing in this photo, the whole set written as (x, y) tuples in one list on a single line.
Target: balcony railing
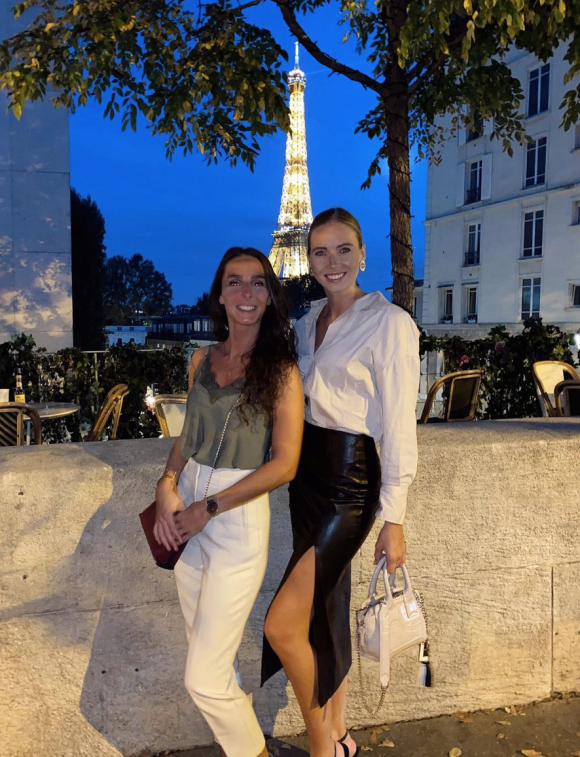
[(471, 257), (473, 195)]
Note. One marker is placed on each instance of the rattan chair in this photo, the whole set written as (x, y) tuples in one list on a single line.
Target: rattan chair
[(462, 396), (111, 407), (548, 373), (13, 419), (567, 398), (170, 412)]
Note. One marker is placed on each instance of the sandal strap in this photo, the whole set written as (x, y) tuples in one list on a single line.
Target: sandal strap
[(340, 741)]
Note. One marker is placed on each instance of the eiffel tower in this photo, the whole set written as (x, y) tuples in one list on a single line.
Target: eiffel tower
[(289, 253)]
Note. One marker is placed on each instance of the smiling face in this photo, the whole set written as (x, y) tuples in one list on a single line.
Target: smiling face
[(244, 292), (335, 256)]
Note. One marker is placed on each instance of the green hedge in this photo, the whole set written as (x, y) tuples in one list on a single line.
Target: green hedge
[(70, 375), (506, 359)]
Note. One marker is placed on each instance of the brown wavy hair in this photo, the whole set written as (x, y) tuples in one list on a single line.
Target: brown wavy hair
[(336, 215), (274, 352)]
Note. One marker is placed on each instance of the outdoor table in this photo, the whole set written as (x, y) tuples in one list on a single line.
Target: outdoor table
[(49, 411)]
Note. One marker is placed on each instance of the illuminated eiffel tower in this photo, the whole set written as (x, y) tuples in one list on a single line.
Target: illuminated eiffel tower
[(289, 253)]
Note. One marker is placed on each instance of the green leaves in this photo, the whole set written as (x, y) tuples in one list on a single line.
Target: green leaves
[(156, 64)]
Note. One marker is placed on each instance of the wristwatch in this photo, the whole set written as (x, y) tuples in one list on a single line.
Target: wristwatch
[(212, 507)]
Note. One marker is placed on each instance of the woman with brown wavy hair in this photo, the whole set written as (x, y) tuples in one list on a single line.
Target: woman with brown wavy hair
[(247, 383)]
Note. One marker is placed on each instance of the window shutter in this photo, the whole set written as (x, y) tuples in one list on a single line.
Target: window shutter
[(486, 178), (461, 135), (460, 199)]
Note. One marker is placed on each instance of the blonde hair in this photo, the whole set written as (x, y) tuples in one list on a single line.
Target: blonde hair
[(336, 215)]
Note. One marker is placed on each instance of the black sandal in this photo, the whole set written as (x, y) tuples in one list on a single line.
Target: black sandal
[(344, 746)]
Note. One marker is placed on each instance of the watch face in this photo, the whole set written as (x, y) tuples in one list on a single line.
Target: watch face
[(212, 506)]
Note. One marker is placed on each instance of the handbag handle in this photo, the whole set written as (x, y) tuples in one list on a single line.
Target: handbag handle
[(411, 606)]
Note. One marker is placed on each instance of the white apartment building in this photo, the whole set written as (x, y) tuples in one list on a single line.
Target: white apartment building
[(35, 240), (503, 233)]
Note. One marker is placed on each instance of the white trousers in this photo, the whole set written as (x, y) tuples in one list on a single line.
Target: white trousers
[(218, 579)]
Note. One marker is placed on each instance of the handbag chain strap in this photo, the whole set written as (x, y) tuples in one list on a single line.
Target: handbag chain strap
[(360, 679), (221, 441), (421, 603)]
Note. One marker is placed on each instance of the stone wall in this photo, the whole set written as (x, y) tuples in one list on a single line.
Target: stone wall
[(92, 644)]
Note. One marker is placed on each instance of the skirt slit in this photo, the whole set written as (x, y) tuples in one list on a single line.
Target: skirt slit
[(333, 501)]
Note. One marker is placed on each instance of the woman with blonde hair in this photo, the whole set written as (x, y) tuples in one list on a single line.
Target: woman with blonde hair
[(359, 358)]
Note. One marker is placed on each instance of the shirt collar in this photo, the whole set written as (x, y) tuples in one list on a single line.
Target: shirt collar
[(364, 303)]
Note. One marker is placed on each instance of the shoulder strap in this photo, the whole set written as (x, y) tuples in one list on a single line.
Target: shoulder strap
[(221, 441)]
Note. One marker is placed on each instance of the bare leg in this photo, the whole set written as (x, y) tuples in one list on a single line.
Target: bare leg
[(286, 628), (336, 706)]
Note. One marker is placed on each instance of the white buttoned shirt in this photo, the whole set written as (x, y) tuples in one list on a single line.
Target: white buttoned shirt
[(364, 379)]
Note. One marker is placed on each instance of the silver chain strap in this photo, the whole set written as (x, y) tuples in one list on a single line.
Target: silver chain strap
[(219, 449), (421, 603), (360, 678)]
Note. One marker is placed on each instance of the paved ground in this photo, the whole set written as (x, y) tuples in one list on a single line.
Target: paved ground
[(545, 729)]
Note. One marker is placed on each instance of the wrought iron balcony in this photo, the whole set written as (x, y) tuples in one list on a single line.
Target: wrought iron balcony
[(471, 257), (473, 195)]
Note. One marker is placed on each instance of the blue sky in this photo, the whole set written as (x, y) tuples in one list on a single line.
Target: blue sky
[(183, 214)]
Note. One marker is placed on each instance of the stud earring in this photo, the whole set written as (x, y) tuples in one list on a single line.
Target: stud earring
[(362, 266)]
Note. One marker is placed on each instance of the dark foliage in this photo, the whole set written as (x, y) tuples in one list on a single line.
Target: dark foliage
[(88, 262), (506, 359)]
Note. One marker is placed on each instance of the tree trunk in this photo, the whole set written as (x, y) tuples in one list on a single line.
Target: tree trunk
[(396, 104)]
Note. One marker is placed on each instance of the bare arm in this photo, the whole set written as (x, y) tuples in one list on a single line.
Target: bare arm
[(166, 495), (281, 468)]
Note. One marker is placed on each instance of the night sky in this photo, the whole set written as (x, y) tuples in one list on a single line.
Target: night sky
[(183, 214)]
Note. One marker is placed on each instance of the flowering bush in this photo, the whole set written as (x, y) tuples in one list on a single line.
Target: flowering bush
[(70, 375), (506, 359)]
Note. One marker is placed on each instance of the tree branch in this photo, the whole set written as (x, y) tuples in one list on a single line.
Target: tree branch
[(419, 80), (322, 57), (242, 8)]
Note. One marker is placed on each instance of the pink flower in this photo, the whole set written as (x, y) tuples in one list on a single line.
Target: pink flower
[(499, 347), (464, 360)]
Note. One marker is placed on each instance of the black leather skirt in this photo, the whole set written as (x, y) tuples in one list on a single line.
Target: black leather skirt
[(333, 502)]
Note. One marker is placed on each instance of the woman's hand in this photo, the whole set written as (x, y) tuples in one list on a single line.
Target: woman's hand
[(391, 542), (192, 520), (168, 503)]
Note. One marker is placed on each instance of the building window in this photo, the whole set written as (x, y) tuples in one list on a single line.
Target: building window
[(533, 234), (575, 295), (415, 308), (536, 162), (575, 212), (538, 90), (475, 171), (577, 137), (473, 244), (475, 129), (531, 297), (446, 304), (470, 304)]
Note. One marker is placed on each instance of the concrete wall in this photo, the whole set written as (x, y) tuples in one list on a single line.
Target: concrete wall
[(92, 643), (499, 276), (35, 246)]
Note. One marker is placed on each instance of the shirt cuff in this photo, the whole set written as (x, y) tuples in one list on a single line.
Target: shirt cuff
[(393, 502)]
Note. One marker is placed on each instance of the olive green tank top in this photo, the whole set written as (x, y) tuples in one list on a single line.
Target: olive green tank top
[(245, 445)]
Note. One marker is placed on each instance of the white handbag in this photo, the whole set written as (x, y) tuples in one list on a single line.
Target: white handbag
[(389, 623)]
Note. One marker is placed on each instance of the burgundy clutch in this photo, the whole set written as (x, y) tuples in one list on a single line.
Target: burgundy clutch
[(165, 558)]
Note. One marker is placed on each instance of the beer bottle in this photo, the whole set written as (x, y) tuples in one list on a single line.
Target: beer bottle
[(19, 395)]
